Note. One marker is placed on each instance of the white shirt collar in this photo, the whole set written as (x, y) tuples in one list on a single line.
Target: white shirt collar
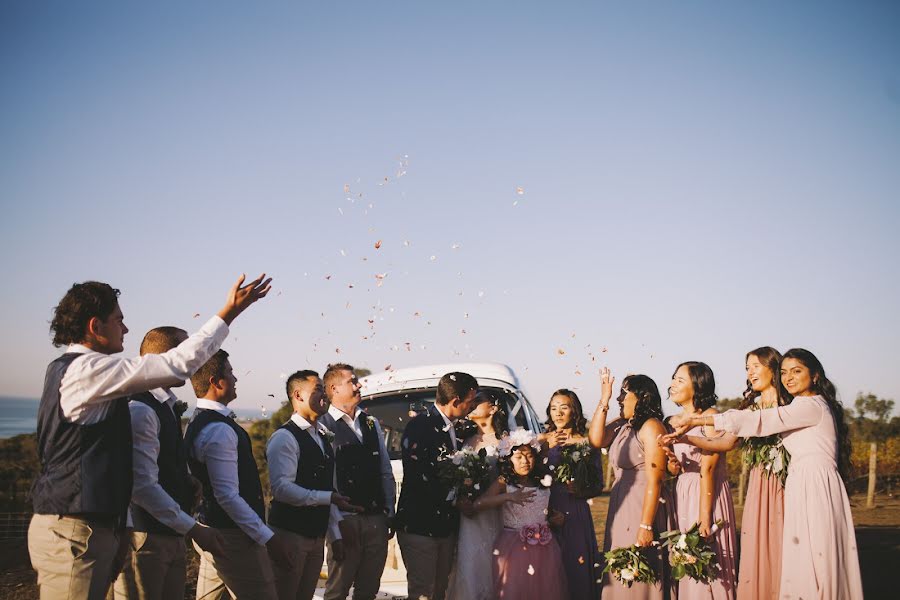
[(163, 395), (443, 416), (213, 405), (338, 414), (78, 349), (302, 423)]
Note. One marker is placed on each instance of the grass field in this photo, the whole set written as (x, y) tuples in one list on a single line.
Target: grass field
[(877, 534)]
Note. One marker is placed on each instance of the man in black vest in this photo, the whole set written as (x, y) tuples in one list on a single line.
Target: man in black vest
[(76, 539), (427, 521), (220, 455), (301, 471), (162, 497), (364, 475)]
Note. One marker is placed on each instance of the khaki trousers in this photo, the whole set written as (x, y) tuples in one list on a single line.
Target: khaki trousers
[(299, 582), (428, 563), (243, 571), (73, 557), (156, 570), (364, 562)]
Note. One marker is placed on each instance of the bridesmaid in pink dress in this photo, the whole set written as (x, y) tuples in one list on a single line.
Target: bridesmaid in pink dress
[(640, 504), (820, 558), (702, 493), (759, 571)]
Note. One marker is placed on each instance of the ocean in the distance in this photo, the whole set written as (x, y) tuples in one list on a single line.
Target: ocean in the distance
[(19, 415)]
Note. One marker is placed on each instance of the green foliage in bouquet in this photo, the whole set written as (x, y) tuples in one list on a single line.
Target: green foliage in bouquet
[(629, 565), (768, 453), (577, 466), (466, 472), (690, 554)]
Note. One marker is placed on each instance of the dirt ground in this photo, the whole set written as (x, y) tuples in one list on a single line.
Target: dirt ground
[(877, 535)]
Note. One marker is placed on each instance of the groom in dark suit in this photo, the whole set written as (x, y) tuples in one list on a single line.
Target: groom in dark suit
[(427, 522)]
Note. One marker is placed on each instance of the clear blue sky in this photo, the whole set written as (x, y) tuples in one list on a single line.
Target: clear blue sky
[(698, 179)]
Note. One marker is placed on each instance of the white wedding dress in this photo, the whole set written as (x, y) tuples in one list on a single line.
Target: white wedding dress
[(472, 578)]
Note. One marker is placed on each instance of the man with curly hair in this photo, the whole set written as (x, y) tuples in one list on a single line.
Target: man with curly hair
[(76, 539)]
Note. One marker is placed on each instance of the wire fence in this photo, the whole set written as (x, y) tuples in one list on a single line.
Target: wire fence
[(14, 526)]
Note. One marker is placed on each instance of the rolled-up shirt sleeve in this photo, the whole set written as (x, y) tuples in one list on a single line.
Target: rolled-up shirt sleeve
[(802, 412), (96, 378), (283, 454), (217, 447), (147, 492)]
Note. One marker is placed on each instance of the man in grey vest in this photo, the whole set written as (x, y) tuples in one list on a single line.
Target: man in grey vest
[(162, 498), (220, 455), (364, 475), (301, 472), (76, 539)]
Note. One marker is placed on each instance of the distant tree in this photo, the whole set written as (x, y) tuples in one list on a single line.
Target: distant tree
[(871, 422), (728, 403)]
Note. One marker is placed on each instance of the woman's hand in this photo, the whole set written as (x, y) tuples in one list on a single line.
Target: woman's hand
[(673, 465), (644, 538), (705, 529), (557, 438), (606, 386), (670, 438), (682, 421)]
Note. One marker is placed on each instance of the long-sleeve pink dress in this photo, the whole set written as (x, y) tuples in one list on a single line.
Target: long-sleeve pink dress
[(819, 558)]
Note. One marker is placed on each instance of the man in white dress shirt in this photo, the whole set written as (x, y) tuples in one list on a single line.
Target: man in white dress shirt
[(162, 498), (364, 475), (220, 455), (76, 538), (301, 471)]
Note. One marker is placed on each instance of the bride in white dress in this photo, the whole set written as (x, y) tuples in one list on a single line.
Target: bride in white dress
[(471, 578)]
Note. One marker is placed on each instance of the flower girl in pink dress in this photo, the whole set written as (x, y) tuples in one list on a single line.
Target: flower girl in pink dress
[(527, 559)]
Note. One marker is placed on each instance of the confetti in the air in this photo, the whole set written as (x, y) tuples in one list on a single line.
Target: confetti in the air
[(378, 244), (346, 188), (455, 247), (433, 258), (520, 190), (196, 315), (560, 351)]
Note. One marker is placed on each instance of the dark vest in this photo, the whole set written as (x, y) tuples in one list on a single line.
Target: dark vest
[(85, 469), (249, 487), (172, 463), (315, 471), (358, 464)]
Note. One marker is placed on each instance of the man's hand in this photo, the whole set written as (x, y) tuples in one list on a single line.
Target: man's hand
[(343, 503), (208, 539), (338, 552), (392, 528), (123, 554), (281, 551), (556, 518), (242, 296)]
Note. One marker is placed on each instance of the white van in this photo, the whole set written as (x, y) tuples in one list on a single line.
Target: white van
[(394, 397)]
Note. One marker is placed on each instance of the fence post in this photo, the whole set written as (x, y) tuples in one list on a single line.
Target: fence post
[(742, 482), (873, 458)]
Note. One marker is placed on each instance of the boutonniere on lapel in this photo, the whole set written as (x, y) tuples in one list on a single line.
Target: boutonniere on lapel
[(232, 415), (370, 422), (179, 408), (326, 434)]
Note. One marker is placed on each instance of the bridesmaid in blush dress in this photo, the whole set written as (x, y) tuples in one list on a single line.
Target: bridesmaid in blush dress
[(820, 558), (640, 505), (702, 493), (566, 425), (759, 570)]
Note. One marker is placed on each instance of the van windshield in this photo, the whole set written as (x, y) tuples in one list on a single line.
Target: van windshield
[(394, 410)]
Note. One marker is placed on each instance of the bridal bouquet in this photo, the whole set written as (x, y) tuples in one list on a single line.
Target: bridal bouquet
[(577, 466), (768, 453), (466, 471), (629, 565), (690, 554)]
